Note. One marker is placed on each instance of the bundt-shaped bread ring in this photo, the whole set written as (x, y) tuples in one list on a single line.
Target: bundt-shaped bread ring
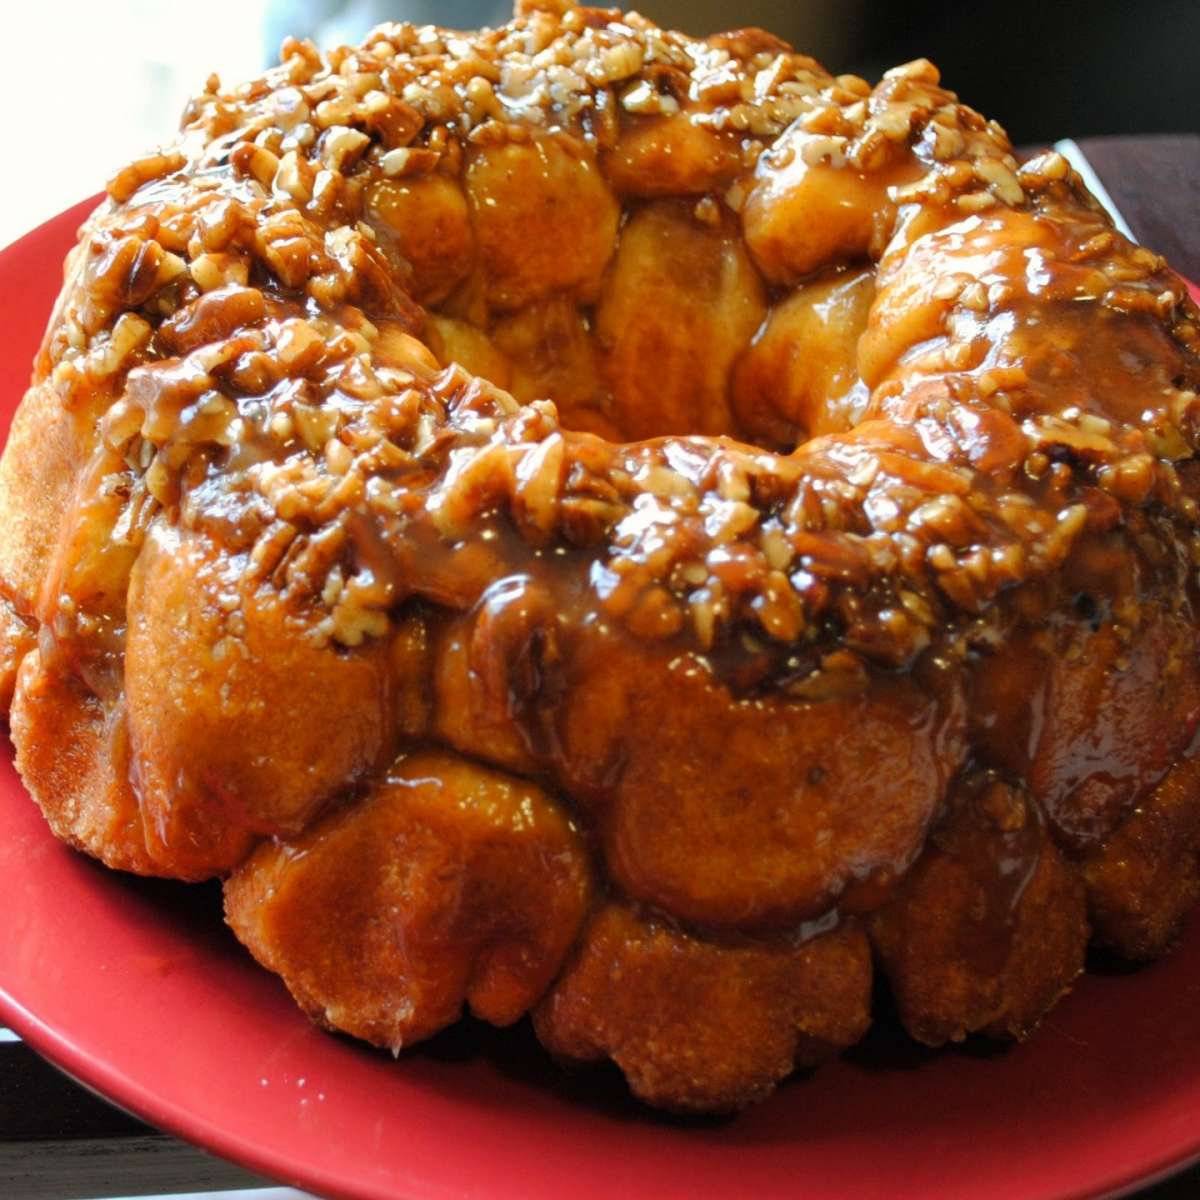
[(579, 519)]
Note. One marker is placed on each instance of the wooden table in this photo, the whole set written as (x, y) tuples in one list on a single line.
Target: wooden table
[(59, 1142)]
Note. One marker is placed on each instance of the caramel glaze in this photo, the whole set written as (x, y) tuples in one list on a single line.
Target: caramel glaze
[(578, 503)]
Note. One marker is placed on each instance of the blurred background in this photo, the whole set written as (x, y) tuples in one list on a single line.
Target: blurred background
[(88, 85)]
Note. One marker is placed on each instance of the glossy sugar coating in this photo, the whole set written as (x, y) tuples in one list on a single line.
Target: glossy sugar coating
[(578, 519)]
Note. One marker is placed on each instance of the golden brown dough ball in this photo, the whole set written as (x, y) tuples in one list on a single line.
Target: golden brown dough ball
[(701, 1025), (800, 377), (800, 218), (989, 927), (226, 731), (919, 284), (1087, 715), (1147, 875), (446, 883), (671, 156), (426, 221), (681, 302), (544, 219), (89, 565), (72, 752), (553, 356), (470, 708), (1119, 705), (457, 341), (744, 814), (37, 478)]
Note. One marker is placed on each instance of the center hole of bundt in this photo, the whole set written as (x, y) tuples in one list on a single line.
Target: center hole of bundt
[(657, 323), (703, 362)]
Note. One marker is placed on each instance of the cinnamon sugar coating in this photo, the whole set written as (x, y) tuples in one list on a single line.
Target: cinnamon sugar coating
[(652, 505)]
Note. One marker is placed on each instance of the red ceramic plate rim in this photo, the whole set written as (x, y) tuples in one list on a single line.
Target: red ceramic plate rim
[(117, 983)]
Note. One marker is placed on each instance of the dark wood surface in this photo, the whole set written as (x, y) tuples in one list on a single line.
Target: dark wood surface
[(59, 1142), (1155, 182)]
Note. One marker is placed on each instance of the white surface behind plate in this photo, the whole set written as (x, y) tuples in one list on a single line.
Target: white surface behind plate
[(94, 85)]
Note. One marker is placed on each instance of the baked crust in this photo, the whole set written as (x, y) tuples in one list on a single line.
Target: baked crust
[(579, 518)]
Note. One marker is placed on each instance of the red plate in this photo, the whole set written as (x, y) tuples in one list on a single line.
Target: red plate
[(137, 989)]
